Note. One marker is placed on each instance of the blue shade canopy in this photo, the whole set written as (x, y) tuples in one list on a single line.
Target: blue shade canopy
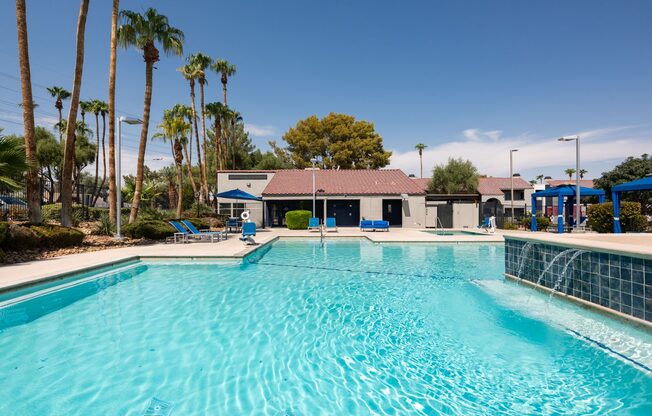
[(238, 194), (637, 185), (568, 190)]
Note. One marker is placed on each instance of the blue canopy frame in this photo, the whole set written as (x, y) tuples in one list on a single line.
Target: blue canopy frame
[(560, 192), (643, 184)]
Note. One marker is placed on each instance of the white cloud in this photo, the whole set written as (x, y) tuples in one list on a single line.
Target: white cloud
[(489, 151), (256, 130)]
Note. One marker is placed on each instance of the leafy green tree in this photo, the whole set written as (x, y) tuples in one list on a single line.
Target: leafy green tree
[(144, 31), (13, 162), (458, 176), (570, 172), (49, 153), (630, 169), (339, 140)]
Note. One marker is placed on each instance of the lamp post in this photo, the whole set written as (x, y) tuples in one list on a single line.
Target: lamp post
[(578, 209), (511, 179), (118, 173), (314, 192)]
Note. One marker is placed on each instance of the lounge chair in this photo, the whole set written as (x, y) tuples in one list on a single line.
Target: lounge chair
[(212, 235), (488, 224), (331, 225), (181, 234), (313, 224), (380, 225), (248, 232), (366, 225)]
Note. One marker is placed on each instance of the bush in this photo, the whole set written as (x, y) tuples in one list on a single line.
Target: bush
[(56, 236), (542, 223), (151, 229), (20, 238), (3, 256), (601, 217), (509, 226), (297, 220), (52, 212), (104, 225), (4, 228)]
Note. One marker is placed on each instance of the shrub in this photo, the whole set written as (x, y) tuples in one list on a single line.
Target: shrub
[(601, 217), (542, 223), (20, 238), (3, 256), (56, 236), (509, 226), (52, 212), (297, 220), (4, 228), (152, 229), (103, 226)]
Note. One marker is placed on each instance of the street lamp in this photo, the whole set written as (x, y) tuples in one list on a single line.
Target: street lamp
[(314, 192), (578, 212), (511, 178), (118, 174)]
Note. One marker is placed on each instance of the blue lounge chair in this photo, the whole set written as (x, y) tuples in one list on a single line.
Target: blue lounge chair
[(212, 235), (488, 224), (331, 225), (366, 225), (313, 224), (249, 229), (181, 234), (380, 225)]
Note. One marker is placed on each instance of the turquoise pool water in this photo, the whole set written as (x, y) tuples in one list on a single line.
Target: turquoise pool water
[(453, 232), (354, 328)]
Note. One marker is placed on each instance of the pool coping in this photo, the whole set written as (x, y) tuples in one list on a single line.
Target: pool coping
[(602, 310)]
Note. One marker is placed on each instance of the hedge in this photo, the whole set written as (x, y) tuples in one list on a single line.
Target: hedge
[(542, 223), (601, 217), (297, 220), (157, 229), (29, 236)]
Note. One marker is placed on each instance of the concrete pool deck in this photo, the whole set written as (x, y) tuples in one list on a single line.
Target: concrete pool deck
[(21, 274)]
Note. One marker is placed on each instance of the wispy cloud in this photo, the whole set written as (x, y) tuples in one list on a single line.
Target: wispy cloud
[(489, 150), (259, 131)]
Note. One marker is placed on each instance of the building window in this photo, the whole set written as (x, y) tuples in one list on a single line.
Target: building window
[(247, 177), (234, 209), (519, 195)]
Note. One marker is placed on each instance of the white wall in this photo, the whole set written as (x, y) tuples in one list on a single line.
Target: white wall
[(465, 215), (229, 180)]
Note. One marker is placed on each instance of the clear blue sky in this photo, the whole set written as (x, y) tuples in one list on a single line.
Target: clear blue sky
[(468, 78)]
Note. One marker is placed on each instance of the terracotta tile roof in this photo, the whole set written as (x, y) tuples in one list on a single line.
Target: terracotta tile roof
[(422, 182), (342, 182), (585, 183), (496, 186), (247, 171)]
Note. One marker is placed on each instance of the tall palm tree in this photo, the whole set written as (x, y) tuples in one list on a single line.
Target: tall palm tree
[(175, 130), (69, 151), (144, 31), (202, 62), (570, 172), (115, 13), (104, 109), (540, 178), (226, 70), (95, 108), (420, 147), (217, 111), (59, 94), (583, 172), (85, 107), (32, 185), (13, 162), (191, 72), (183, 111), (230, 119)]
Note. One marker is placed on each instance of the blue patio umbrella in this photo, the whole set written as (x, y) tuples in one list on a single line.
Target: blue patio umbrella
[(642, 184), (238, 194), (560, 192)]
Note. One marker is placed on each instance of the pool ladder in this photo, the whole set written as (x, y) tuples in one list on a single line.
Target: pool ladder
[(321, 235)]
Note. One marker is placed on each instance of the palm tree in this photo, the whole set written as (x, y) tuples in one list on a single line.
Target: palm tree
[(175, 130), (191, 72), (583, 172), (570, 172), (540, 178), (13, 162), (115, 13), (143, 32), (104, 108), (202, 62), (85, 107), (217, 111), (69, 151), (229, 119), (183, 111), (225, 70), (59, 94), (32, 185), (420, 147)]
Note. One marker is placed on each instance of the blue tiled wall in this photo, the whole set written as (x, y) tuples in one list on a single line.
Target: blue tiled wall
[(619, 282)]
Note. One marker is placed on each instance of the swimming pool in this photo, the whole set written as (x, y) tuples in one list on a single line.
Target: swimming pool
[(453, 232), (296, 329)]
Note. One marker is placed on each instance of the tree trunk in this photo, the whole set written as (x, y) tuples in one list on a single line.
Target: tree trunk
[(178, 161), (60, 125), (194, 124), (203, 136), (32, 183), (97, 195), (97, 157), (149, 66), (224, 90), (69, 151), (113, 197), (189, 169)]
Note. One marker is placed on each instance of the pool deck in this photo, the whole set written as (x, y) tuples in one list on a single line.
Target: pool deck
[(21, 274)]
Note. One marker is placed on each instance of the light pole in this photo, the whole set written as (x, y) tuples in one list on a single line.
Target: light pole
[(314, 192), (511, 179), (578, 209), (118, 173)]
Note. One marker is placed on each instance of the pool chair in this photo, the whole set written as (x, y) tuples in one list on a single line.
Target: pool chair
[(248, 232), (233, 224), (331, 225), (313, 224), (488, 224), (204, 234), (180, 234), (366, 225), (381, 225)]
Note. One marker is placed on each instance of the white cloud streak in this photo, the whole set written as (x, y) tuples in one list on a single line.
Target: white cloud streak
[(259, 131)]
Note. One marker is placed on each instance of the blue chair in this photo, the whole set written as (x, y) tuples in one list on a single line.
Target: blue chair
[(380, 225), (194, 232), (331, 225), (249, 229), (366, 225), (313, 224), (181, 234), (233, 224)]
